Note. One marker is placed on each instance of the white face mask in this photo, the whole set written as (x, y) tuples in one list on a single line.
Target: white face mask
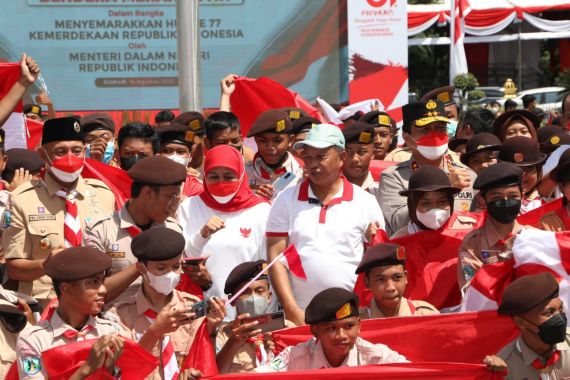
[(434, 219), (164, 284), (179, 159), (65, 177)]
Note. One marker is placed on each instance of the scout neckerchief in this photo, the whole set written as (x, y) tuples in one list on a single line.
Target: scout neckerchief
[(261, 355), (71, 226), (169, 363), (133, 230), (262, 170)]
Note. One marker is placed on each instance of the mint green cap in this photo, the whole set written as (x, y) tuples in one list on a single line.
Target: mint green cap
[(322, 136)]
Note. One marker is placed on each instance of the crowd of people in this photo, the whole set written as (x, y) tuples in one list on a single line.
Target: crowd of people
[(220, 235)]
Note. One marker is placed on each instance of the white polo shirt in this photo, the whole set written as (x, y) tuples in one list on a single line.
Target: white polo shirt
[(329, 238)]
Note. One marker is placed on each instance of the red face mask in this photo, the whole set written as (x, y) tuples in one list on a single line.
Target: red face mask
[(223, 191), (69, 163)]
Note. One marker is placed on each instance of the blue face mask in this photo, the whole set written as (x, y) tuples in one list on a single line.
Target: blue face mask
[(451, 128), (107, 156)]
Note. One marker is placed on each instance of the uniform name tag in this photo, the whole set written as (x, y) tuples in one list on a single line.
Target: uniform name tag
[(116, 255), (40, 217)]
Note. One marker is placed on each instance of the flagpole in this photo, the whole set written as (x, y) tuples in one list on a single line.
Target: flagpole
[(239, 293)]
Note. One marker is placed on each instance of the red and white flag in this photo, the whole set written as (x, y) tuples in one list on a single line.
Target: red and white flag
[(294, 262), (457, 60), (534, 251)]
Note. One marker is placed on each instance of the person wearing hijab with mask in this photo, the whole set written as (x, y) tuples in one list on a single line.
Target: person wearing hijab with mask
[(240, 345), (559, 220), (51, 213), (525, 153), (226, 222), (516, 123), (425, 132), (159, 317), (430, 203)]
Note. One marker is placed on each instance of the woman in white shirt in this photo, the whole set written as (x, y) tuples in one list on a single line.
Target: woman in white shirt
[(226, 223)]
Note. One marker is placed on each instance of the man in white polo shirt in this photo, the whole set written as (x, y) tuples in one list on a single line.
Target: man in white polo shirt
[(327, 218)]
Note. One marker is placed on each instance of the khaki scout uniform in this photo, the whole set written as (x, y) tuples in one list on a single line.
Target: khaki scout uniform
[(310, 355), (485, 238), (407, 309), (37, 222), (109, 233), (396, 178), (399, 155), (4, 200), (131, 313), (519, 358), (7, 350), (47, 334), (244, 359)]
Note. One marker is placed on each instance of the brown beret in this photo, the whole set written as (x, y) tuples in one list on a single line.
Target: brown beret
[(332, 304), (545, 133), (176, 133), (481, 142), (528, 118), (32, 108), (275, 121), (521, 151), (157, 244), (243, 273), (62, 129), (303, 124), (455, 143), (378, 119), (77, 263), (554, 141), (23, 158), (443, 94), (295, 113), (194, 121), (562, 171), (157, 170), (97, 121), (380, 255), (502, 174), (358, 133), (429, 178), (527, 292)]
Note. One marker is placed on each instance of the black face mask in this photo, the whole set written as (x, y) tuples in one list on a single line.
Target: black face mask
[(553, 330), (13, 322), (504, 211), (128, 162)]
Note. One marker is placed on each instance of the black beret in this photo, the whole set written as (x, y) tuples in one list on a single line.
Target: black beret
[(429, 178), (32, 108), (62, 129), (554, 142), (359, 133), (303, 124), (157, 244), (481, 142), (295, 113), (423, 113), (332, 304), (378, 119), (275, 121), (177, 134), (77, 263), (521, 151), (443, 94), (243, 273), (194, 121), (562, 170), (23, 158), (501, 174), (380, 255), (157, 170), (97, 121), (527, 292)]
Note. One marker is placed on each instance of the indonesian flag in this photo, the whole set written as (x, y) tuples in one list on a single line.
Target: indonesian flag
[(532, 218), (294, 262), (201, 355), (457, 60), (378, 166), (254, 96), (14, 126), (534, 251), (116, 178)]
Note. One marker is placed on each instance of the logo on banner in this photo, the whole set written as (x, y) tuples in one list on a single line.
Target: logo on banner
[(380, 3)]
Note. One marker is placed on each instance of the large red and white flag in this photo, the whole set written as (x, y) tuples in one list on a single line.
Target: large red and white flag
[(534, 251), (457, 60), (15, 125)]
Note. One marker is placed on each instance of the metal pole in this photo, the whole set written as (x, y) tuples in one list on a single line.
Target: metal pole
[(188, 44), (520, 58)]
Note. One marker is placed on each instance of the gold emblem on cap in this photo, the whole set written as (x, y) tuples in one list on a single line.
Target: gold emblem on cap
[(189, 136), (431, 105), (76, 127), (45, 243), (280, 126), (35, 109), (294, 114), (401, 253), (313, 125), (518, 157), (443, 97), (481, 146), (344, 311), (384, 120), (364, 137), (554, 140), (195, 124)]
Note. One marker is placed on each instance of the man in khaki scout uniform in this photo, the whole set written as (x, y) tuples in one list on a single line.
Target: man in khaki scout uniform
[(501, 192), (333, 316), (78, 275), (386, 277), (542, 351), (51, 213), (425, 132), (155, 195), (157, 316)]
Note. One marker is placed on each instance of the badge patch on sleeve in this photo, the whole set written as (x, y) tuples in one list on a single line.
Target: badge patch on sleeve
[(279, 362), (31, 365)]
